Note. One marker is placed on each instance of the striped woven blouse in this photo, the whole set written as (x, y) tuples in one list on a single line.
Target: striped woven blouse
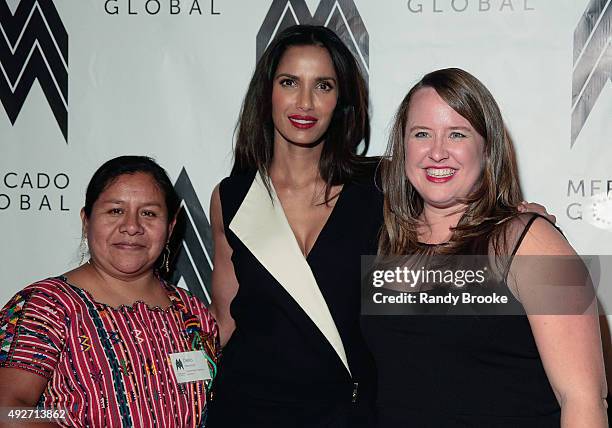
[(109, 367)]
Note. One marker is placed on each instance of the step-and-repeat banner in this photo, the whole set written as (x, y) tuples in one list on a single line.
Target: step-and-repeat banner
[(82, 81)]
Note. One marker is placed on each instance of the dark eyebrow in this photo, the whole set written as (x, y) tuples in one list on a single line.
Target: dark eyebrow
[(120, 202), (291, 76)]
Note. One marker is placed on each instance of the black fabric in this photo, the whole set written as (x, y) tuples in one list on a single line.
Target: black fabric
[(461, 371), (277, 369)]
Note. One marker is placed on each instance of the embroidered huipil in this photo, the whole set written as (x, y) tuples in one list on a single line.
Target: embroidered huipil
[(108, 367)]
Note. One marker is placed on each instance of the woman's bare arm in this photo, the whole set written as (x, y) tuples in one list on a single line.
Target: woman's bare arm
[(20, 388), (224, 282), (569, 345)]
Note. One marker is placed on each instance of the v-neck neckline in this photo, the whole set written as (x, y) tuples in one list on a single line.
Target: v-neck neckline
[(261, 225), (323, 228)]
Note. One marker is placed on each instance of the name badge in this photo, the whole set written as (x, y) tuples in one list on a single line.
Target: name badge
[(190, 366)]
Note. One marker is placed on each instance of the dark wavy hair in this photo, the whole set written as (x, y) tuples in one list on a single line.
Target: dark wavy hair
[(496, 195), (350, 123)]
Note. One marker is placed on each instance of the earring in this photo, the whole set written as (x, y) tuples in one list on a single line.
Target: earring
[(83, 249), (165, 263)]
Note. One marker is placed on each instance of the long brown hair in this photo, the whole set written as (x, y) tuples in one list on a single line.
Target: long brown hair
[(350, 124), (495, 198)]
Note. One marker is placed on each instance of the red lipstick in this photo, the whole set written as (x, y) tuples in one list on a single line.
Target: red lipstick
[(450, 173), (302, 121)]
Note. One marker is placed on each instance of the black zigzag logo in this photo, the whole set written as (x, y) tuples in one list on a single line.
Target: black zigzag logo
[(193, 254), (341, 16), (33, 45), (592, 61)]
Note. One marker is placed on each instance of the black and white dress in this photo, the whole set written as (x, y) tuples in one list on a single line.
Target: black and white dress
[(297, 357)]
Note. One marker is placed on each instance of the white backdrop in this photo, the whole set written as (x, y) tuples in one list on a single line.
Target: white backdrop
[(169, 84)]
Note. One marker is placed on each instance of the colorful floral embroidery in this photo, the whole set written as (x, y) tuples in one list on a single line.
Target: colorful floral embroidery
[(8, 324)]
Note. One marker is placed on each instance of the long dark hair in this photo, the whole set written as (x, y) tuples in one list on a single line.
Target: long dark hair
[(350, 123), (496, 196)]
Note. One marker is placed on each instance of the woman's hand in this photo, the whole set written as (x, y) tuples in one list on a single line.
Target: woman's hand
[(533, 207)]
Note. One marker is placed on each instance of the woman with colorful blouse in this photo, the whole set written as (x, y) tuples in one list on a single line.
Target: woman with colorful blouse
[(110, 344)]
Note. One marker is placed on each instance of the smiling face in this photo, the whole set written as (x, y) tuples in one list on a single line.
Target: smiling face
[(128, 226), (444, 154), (304, 95)]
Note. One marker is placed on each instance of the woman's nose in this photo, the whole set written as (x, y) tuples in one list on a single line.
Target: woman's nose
[(304, 101), (438, 151), (131, 224)]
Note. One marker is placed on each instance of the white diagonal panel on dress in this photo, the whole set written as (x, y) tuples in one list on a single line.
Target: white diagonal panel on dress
[(260, 223)]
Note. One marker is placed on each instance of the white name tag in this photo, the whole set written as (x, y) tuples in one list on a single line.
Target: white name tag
[(190, 366)]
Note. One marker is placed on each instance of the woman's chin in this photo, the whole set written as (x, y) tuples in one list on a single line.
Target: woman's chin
[(443, 204), (131, 269)]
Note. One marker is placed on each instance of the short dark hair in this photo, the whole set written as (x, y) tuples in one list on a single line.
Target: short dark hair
[(114, 168), (350, 124)]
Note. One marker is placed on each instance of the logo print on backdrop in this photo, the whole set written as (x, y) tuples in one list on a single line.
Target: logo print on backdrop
[(592, 61), (341, 16), (192, 255), (33, 45)]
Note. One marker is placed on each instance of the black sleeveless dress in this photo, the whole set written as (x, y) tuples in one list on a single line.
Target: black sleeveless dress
[(460, 371), (277, 369)]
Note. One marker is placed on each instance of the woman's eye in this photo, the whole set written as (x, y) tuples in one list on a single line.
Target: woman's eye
[(325, 86), (288, 82), (116, 211), (148, 214), (421, 134), (456, 134)]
